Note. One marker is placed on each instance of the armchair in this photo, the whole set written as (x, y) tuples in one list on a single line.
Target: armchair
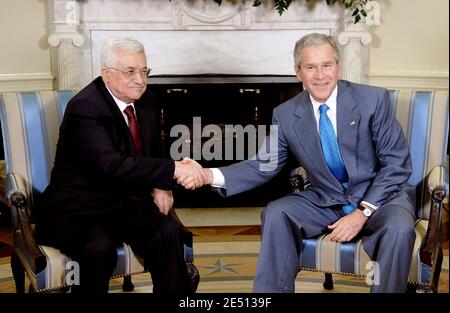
[(30, 123), (424, 119)]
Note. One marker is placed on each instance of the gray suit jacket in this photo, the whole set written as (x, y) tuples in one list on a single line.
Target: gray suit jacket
[(373, 148)]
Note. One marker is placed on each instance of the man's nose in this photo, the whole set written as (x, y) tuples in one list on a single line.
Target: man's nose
[(318, 73)]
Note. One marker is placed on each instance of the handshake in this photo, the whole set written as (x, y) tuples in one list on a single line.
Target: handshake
[(192, 175)]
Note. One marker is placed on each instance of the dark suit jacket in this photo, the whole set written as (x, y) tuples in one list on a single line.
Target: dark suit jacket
[(97, 171), (372, 144)]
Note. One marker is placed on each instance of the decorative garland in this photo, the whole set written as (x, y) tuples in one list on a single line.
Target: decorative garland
[(358, 6)]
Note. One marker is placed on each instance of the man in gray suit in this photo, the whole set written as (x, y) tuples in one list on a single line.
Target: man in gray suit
[(346, 137)]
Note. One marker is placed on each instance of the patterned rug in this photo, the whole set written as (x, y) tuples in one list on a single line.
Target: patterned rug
[(227, 267)]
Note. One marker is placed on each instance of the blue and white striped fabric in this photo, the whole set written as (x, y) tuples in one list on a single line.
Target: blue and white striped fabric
[(325, 255), (30, 122), (423, 116)]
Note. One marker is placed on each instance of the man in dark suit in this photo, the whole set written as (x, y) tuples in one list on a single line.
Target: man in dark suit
[(346, 137), (108, 184)]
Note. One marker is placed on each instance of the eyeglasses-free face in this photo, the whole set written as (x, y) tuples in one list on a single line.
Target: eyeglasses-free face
[(318, 71)]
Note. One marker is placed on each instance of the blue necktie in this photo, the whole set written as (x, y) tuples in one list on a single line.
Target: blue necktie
[(331, 153)]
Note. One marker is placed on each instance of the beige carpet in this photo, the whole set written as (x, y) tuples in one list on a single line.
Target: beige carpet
[(229, 267)]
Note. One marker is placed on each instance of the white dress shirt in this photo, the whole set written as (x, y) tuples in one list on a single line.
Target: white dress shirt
[(122, 105), (331, 112)]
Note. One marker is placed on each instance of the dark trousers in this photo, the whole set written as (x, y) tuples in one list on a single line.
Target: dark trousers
[(92, 242)]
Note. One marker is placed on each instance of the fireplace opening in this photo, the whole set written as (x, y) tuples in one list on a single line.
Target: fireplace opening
[(192, 102)]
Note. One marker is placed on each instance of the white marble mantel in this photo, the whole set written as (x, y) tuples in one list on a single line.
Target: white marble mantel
[(198, 36)]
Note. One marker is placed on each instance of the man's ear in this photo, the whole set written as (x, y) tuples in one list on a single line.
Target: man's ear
[(297, 72), (105, 74)]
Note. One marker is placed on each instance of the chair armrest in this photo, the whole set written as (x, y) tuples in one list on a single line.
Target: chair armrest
[(23, 235), (438, 178), (437, 184)]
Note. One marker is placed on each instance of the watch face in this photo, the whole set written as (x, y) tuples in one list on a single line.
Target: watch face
[(367, 212)]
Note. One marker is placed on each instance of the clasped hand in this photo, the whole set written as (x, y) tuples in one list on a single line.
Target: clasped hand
[(163, 200), (191, 175)]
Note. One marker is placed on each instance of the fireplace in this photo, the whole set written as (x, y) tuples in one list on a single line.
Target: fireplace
[(187, 40), (223, 101)]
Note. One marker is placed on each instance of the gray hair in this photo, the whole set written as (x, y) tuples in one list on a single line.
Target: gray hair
[(314, 39), (112, 45)]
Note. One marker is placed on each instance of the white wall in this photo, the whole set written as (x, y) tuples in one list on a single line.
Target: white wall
[(24, 53), (410, 46)]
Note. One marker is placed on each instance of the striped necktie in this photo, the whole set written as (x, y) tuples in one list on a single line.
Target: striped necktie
[(134, 127)]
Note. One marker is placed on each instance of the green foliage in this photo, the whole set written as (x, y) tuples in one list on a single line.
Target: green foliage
[(357, 5)]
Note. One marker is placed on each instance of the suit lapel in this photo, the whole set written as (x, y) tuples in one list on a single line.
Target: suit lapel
[(348, 118), (145, 126), (123, 131), (306, 129)]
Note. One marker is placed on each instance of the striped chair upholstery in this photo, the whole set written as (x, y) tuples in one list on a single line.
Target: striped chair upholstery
[(30, 123), (423, 116)]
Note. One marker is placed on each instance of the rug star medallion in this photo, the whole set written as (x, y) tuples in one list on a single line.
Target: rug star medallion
[(220, 266)]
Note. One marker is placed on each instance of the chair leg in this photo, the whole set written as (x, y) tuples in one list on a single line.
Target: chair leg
[(437, 270), (411, 288), (18, 273), (127, 284), (328, 283), (31, 289)]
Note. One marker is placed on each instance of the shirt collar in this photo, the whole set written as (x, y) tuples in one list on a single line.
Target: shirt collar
[(331, 101), (121, 104)]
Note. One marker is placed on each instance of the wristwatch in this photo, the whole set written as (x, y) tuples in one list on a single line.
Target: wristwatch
[(366, 211)]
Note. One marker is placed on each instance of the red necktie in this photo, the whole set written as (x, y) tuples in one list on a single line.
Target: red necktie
[(134, 127)]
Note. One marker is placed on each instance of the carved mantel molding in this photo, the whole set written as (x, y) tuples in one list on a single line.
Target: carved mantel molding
[(199, 36)]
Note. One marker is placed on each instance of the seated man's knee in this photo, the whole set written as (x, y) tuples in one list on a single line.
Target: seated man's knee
[(273, 211), (100, 249), (401, 229), (169, 227)]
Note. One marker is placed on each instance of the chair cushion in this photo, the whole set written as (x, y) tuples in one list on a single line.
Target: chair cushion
[(54, 275), (322, 254)]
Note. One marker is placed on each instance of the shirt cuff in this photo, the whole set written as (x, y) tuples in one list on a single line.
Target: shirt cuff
[(368, 205), (218, 179)]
